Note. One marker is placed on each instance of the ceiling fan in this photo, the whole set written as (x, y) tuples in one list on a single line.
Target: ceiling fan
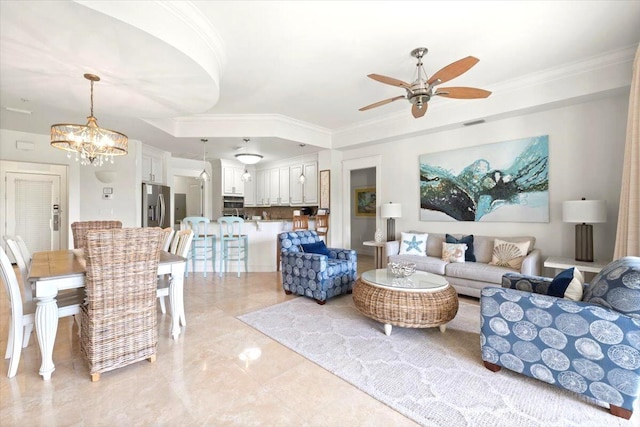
[(422, 89)]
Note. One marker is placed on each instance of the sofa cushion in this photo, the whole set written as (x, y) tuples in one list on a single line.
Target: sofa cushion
[(413, 244), (509, 254), (453, 252), (483, 245), (467, 240), (423, 263), (617, 287), (567, 284), (477, 271)]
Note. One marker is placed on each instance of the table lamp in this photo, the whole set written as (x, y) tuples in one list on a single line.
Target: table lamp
[(582, 212), (391, 211)]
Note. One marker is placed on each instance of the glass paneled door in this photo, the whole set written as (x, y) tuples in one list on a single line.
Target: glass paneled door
[(33, 209)]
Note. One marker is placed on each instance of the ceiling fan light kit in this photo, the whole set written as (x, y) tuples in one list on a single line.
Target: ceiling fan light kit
[(421, 90)]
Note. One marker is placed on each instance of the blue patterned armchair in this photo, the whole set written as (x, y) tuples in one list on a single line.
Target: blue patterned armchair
[(318, 276), (591, 347)]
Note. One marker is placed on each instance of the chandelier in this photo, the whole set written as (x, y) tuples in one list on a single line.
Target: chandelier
[(204, 175), (91, 143), (248, 158)]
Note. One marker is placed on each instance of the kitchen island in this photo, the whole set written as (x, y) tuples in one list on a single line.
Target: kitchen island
[(263, 236)]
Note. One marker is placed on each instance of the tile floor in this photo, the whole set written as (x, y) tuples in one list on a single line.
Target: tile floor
[(203, 378)]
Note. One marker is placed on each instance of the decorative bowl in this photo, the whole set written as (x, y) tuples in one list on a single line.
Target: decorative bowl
[(401, 269)]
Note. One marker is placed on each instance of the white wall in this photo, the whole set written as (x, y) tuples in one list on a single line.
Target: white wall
[(85, 191), (586, 145)]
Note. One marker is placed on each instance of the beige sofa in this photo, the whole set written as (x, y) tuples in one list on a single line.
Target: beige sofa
[(468, 278)]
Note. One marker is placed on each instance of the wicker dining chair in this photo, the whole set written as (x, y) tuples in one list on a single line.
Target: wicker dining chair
[(80, 229), (119, 323)]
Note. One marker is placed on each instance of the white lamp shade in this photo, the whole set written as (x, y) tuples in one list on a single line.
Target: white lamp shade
[(391, 210), (584, 211)]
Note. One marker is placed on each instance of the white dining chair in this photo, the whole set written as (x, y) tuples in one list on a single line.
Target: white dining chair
[(168, 239), (23, 314), (180, 246), (14, 247)]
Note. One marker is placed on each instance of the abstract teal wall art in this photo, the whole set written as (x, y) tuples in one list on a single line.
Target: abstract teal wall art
[(500, 182)]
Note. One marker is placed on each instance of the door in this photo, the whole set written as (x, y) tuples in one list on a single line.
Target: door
[(33, 210), (180, 200)]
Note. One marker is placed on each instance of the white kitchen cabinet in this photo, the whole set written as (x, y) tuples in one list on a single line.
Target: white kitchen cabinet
[(274, 187), (295, 188), (310, 186), (307, 193), (152, 168), (263, 187), (250, 190), (283, 172), (232, 184)]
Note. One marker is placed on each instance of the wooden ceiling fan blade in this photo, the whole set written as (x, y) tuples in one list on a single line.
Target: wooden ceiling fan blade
[(419, 112), (462, 92), (379, 103), (389, 80), (453, 70)]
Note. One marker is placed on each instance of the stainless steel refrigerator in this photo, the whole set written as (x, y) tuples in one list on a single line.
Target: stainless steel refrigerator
[(156, 205)]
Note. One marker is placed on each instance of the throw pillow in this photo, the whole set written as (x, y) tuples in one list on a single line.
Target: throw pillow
[(453, 252), (617, 287), (509, 254), (467, 240), (315, 248), (413, 244), (567, 284)]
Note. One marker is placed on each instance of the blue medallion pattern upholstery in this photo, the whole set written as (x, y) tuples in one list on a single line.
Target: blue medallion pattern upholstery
[(314, 275), (591, 347)]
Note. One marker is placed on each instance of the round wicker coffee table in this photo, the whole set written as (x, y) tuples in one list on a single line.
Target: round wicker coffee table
[(422, 300)]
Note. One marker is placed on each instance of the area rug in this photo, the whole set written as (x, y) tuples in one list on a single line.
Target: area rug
[(434, 378)]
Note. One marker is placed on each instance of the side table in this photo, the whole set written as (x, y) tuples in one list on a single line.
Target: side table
[(564, 263), (379, 254)]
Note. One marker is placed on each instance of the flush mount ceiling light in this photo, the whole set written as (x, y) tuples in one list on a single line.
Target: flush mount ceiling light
[(246, 157), (91, 143), (204, 176)]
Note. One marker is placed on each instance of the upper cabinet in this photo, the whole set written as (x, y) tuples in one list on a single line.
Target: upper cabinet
[(152, 165), (232, 184), (250, 189), (278, 184), (305, 193)]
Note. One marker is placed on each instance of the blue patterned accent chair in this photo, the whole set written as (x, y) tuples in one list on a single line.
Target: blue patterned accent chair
[(591, 347), (315, 275)]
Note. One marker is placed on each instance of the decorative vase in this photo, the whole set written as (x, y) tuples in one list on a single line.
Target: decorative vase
[(378, 235)]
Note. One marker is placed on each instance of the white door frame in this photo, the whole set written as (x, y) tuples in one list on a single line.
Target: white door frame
[(7, 166), (347, 167)]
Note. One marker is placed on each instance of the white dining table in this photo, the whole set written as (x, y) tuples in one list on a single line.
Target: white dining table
[(54, 271)]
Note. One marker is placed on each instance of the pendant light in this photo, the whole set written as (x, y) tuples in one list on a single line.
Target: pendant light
[(204, 175), (92, 144), (302, 178)]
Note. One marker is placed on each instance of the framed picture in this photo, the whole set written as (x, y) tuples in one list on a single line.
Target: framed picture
[(365, 201), (500, 182), (325, 189)]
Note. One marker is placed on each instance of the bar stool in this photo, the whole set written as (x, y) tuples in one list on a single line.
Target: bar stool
[(322, 226), (234, 246), (203, 245)]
